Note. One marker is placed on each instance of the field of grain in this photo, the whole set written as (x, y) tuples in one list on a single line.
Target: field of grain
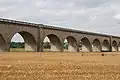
[(59, 66)]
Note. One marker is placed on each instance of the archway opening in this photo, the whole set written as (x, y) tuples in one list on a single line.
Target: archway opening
[(70, 44), (46, 44), (51, 43), (23, 41), (105, 46), (2, 44), (96, 46), (114, 46), (85, 45)]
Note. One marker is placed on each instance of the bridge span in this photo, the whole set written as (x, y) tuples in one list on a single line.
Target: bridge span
[(34, 35)]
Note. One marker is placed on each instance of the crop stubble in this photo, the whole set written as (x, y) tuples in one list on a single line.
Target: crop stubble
[(58, 66)]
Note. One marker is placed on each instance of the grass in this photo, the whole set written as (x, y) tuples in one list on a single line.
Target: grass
[(59, 66), (17, 49)]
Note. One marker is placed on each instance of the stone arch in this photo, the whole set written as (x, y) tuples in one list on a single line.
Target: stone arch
[(105, 46), (54, 42), (96, 45), (114, 46), (86, 45), (29, 39), (3, 45), (72, 44)]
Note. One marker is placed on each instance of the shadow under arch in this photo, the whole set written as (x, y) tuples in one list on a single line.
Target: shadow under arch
[(96, 45), (85, 45), (105, 46), (114, 46), (29, 40), (72, 44), (54, 41)]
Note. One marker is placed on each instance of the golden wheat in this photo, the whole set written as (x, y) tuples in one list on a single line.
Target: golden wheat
[(29, 66)]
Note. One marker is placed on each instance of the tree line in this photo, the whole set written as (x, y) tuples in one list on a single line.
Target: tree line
[(46, 45), (17, 45)]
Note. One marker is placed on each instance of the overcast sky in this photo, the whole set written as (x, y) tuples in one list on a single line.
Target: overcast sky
[(89, 15)]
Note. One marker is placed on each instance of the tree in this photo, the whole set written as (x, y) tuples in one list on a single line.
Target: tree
[(17, 44), (47, 45), (66, 45)]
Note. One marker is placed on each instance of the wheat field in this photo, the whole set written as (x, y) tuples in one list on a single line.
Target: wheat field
[(59, 66)]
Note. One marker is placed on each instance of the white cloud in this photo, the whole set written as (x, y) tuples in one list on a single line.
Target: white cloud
[(117, 16), (93, 17), (89, 15)]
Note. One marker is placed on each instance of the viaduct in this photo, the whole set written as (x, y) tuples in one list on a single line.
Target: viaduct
[(34, 34)]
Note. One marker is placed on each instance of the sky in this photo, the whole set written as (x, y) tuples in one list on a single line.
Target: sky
[(101, 16)]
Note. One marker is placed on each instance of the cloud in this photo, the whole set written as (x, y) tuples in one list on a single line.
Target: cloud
[(88, 15), (117, 16)]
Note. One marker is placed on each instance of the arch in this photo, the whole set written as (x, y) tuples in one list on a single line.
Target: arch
[(114, 46), (3, 44), (72, 44), (86, 45), (105, 46), (96, 45), (29, 39), (55, 42)]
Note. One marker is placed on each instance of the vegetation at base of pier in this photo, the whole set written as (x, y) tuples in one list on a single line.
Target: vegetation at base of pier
[(46, 45)]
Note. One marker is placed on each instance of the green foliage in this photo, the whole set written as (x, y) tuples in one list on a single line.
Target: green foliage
[(17, 45), (47, 45), (65, 45)]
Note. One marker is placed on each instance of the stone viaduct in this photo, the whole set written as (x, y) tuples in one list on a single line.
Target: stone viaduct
[(34, 34)]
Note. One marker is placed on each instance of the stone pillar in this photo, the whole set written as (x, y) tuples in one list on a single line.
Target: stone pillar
[(78, 45), (117, 48), (110, 43), (41, 46), (38, 40), (7, 48), (62, 48)]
